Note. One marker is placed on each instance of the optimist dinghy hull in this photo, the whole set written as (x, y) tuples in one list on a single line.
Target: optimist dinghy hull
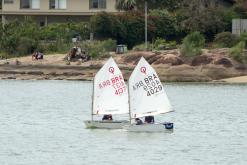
[(106, 124), (157, 127)]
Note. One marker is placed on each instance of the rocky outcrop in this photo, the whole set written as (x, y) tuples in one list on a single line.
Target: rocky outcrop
[(160, 57), (215, 57), (201, 60), (226, 62), (133, 58), (169, 59)]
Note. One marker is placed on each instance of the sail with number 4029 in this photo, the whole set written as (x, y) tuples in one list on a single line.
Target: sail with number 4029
[(110, 91), (147, 94)]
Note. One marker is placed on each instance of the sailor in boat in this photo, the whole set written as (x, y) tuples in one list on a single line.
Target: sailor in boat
[(143, 82), (138, 121), (149, 119), (107, 117)]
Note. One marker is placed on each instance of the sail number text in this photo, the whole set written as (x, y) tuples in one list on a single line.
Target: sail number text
[(117, 82), (151, 84)]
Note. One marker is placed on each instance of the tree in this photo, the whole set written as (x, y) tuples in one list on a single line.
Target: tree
[(170, 5), (102, 24), (164, 23), (125, 4), (202, 16), (240, 7)]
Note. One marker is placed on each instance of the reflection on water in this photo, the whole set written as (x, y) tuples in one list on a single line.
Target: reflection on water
[(41, 122)]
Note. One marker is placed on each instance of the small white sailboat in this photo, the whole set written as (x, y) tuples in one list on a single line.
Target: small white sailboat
[(147, 98), (110, 96)]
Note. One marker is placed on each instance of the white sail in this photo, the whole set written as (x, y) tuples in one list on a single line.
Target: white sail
[(147, 94), (110, 90)]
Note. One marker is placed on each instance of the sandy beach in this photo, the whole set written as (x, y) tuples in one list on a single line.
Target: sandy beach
[(240, 79)]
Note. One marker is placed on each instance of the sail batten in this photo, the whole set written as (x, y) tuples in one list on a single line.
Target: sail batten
[(110, 90), (147, 94)]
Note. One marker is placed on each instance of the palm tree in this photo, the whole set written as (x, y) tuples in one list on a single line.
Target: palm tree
[(126, 4)]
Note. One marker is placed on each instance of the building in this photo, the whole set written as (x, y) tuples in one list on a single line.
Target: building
[(239, 26), (50, 11)]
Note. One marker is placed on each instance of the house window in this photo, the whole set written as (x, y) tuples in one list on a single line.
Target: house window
[(97, 4), (58, 4), (0, 4), (30, 4), (41, 24), (8, 1)]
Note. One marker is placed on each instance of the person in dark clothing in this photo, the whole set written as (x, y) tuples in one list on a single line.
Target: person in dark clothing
[(107, 117), (37, 56), (149, 119), (138, 121)]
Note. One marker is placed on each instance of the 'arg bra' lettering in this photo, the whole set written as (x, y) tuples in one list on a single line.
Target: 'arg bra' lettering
[(151, 84)]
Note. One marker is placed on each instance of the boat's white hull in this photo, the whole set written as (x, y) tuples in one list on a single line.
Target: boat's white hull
[(106, 124), (157, 127)]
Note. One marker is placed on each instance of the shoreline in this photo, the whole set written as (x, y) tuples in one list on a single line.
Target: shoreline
[(87, 72), (169, 65)]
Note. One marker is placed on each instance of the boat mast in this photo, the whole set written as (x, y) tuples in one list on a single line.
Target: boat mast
[(92, 101), (129, 102)]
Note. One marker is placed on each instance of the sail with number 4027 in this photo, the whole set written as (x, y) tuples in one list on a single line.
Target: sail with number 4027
[(147, 94), (110, 91)]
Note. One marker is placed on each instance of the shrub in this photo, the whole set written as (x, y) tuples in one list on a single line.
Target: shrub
[(243, 37), (26, 46), (55, 32), (109, 45), (192, 44), (9, 44), (162, 44), (142, 47), (65, 32), (22, 37), (54, 47), (225, 40), (81, 29), (236, 52), (98, 49)]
